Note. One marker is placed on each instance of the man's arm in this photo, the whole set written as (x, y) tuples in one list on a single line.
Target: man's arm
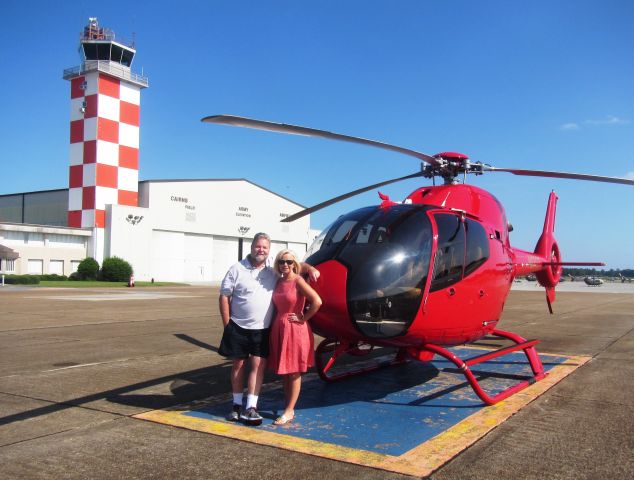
[(225, 311), (226, 290), (309, 270)]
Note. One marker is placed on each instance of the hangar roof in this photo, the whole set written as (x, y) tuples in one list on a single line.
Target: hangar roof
[(189, 180), (170, 180)]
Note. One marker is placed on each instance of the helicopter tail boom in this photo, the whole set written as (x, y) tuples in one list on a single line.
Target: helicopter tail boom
[(545, 261)]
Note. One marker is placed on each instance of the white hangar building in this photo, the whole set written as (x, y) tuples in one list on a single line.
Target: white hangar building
[(169, 230), (194, 230), (183, 230)]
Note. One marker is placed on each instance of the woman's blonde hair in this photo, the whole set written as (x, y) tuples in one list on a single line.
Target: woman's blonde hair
[(296, 267)]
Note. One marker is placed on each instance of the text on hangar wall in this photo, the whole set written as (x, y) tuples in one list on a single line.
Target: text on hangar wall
[(175, 198)]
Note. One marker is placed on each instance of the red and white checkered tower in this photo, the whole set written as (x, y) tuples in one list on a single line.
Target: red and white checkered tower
[(104, 130)]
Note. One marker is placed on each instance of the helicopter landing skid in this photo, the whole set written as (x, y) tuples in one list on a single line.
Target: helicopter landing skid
[(528, 346), (335, 348)]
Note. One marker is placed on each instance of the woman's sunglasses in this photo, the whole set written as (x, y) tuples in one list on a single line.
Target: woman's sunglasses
[(287, 262)]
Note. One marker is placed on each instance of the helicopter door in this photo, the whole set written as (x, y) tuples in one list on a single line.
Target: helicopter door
[(450, 253), (455, 300)]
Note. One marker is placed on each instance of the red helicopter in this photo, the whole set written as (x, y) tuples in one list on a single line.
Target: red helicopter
[(431, 272)]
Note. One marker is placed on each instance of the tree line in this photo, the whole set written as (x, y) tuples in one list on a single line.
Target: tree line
[(593, 272)]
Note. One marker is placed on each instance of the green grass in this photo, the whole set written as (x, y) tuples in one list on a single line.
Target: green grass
[(96, 283)]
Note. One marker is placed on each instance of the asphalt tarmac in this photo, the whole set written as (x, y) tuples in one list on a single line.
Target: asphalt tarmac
[(75, 365)]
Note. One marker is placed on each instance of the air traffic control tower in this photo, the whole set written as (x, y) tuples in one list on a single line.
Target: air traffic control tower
[(104, 131)]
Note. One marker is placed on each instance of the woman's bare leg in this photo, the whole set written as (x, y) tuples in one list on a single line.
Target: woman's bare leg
[(292, 392)]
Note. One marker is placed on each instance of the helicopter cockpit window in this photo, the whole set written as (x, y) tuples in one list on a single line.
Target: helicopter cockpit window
[(477, 246), (387, 258), (450, 255), (328, 242)]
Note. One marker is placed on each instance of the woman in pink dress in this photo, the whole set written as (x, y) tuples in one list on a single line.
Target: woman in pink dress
[(291, 339)]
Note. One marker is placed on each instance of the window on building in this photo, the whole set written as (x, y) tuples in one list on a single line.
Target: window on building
[(73, 265), (34, 267), (56, 267), (8, 265), (13, 238), (66, 241), (35, 239)]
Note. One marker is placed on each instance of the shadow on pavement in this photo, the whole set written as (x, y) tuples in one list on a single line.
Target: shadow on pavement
[(185, 387)]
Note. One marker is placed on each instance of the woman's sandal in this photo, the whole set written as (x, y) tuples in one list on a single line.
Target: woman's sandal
[(283, 420)]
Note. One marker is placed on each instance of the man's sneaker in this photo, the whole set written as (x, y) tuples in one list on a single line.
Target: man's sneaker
[(234, 416), (251, 417)]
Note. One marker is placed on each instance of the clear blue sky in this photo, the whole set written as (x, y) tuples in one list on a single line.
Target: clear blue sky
[(535, 85)]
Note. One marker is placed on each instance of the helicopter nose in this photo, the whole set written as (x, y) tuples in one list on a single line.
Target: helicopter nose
[(332, 318), (331, 284)]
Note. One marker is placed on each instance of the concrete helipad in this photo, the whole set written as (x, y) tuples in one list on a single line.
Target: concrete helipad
[(408, 419), (75, 376)]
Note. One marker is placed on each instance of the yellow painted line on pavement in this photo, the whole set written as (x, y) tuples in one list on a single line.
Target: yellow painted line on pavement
[(419, 461), (430, 455), (250, 434)]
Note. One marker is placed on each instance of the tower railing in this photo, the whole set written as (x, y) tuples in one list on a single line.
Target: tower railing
[(109, 67)]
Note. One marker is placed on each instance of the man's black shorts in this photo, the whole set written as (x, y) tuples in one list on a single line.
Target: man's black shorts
[(238, 342)]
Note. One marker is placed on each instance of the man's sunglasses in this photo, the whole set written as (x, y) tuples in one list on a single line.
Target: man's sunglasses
[(287, 262)]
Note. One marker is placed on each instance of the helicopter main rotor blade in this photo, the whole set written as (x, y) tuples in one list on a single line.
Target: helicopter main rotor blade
[(311, 132), (572, 176), (327, 203)]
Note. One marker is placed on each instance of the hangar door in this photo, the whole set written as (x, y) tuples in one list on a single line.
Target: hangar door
[(168, 256), (182, 257), (298, 248), (225, 254), (276, 247), (198, 257)]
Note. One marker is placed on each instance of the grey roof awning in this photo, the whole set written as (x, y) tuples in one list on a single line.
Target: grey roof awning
[(6, 252)]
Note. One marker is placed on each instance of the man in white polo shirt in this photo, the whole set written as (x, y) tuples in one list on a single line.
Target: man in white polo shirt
[(246, 310)]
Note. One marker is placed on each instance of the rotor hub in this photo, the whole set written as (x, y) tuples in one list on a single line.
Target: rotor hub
[(449, 165), (452, 156)]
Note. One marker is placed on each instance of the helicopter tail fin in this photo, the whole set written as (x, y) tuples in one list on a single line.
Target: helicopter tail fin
[(548, 249), (545, 261)]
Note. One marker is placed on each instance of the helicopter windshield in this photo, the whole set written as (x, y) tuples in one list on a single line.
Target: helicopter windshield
[(387, 255), (330, 240)]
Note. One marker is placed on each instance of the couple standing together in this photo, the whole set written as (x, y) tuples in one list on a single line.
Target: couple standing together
[(250, 294)]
